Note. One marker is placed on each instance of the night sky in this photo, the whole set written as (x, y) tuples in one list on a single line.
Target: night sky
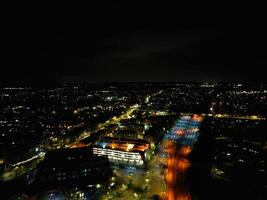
[(122, 42)]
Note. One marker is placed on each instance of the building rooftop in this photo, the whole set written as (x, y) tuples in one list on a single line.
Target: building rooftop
[(123, 145)]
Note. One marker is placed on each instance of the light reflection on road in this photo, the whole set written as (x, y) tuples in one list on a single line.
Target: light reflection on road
[(184, 132)]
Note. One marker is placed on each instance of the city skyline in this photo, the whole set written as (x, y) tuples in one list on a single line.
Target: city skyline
[(134, 141)]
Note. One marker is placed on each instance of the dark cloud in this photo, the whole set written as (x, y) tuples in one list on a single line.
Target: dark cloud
[(134, 42)]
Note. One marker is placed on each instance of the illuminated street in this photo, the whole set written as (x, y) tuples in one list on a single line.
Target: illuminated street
[(114, 120), (178, 144)]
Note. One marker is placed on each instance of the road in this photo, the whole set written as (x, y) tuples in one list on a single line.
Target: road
[(114, 120), (178, 143), (218, 115)]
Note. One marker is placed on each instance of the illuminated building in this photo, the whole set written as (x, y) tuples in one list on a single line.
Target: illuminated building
[(133, 152)]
